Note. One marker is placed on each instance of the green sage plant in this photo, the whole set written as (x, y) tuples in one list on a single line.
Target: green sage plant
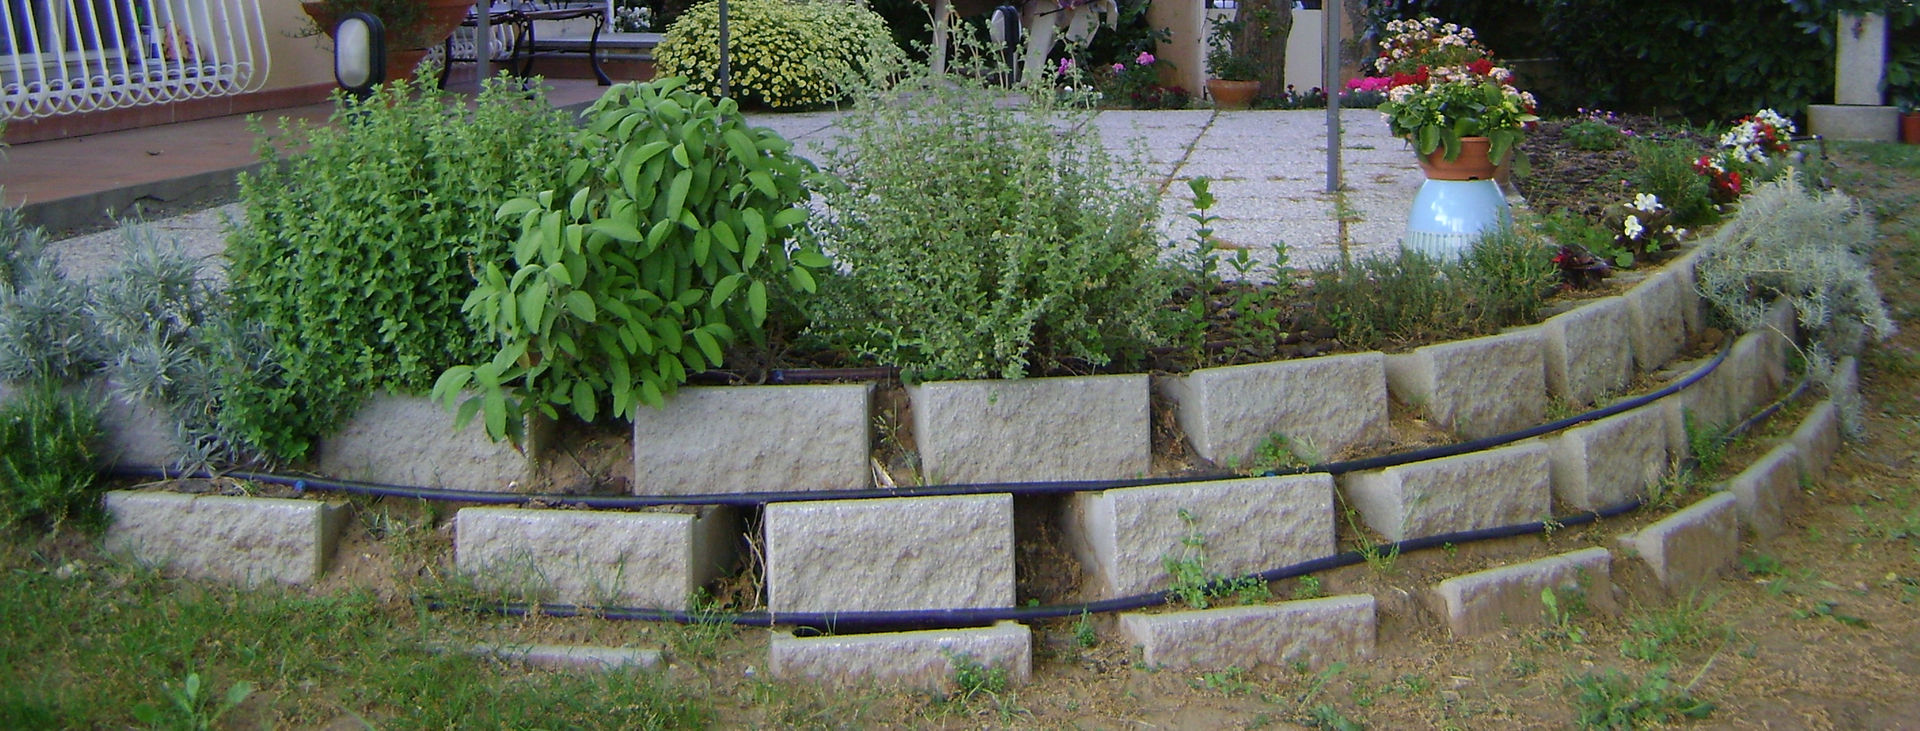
[(1501, 280), (649, 260), (983, 232), (47, 438), (356, 254)]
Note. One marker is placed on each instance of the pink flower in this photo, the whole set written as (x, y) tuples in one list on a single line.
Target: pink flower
[(1119, 67), (1066, 65), (1144, 59)]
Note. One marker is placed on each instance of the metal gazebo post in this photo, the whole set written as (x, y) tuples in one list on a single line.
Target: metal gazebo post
[(1330, 82)]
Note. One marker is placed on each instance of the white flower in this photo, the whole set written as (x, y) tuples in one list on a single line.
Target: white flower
[(1632, 228), (1646, 202), (1676, 233)]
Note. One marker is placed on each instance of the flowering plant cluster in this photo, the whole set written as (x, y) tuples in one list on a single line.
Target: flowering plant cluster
[(1597, 130), (1641, 226), (1723, 186), (631, 17), (1428, 43), (1744, 152), (1442, 85), (1137, 85)]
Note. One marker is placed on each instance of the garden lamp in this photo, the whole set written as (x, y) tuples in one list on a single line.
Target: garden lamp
[(359, 53)]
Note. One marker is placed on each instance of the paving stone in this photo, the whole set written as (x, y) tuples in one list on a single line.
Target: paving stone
[(602, 558), (1253, 524), (1485, 601), (1478, 387), (1657, 308), (1687, 549), (1767, 489), (1588, 352), (410, 440), (1817, 440), (922, 659), (1608, 461), (1085, 428), (1486, 489), (729, 439), (571, 657), (1327, 405), (896, 553), (1316, 632), (245, 540)]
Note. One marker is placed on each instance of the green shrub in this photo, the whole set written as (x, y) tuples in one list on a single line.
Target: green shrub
[(978, 241), (781, 54), (356, 254), (1593, 135), (1508, 276), (1810, 249), (644, 266), (46, 458), (1665, 168), (44, 333), (1502, 280)]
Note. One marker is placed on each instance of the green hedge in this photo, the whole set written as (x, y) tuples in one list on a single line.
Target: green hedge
[(781, 54)]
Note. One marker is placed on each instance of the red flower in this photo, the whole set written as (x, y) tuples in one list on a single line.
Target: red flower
[(1481, 67)]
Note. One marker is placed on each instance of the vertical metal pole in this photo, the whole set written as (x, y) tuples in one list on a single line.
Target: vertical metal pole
[(1330, 82), (483, 40), (726, 83)]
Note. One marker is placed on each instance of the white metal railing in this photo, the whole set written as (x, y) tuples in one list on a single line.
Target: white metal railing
[(70, 56)]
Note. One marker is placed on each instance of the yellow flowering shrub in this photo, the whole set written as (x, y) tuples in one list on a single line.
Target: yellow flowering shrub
[(783, 54)]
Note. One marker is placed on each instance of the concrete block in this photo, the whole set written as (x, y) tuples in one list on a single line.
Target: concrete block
[(1766, 490), (245, 540), (410, 440), (1588, 351), (1605, 462), (1502, 486), (1844, 392), (571, 657), (1085, 428), (1330, 404), (1783, 336), (1694, 311), (1485, 601), (1704, 400), (1657, 310), (1749, 379), (1867, 123), (651, 560), (1478, 387), (1688, 548), (1316, 632), (1817, 440), (1254, 524), (729, 439), (922, 659), (136, 434), (900, 553)]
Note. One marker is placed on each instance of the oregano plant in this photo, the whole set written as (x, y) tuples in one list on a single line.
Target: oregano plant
[(644, 266)]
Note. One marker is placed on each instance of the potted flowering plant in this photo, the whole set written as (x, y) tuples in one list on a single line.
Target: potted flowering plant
[(1235, 76), (1447, 97)]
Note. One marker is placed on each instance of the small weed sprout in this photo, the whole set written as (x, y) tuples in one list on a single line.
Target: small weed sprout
[(1084, 633), (1194, 584), (192, 707), (973, 679), (1559, 618), (1613, 700), (1379, 556), (1308, 588)]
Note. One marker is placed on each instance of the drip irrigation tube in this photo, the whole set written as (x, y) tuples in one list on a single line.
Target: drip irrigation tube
[(1058, 487)]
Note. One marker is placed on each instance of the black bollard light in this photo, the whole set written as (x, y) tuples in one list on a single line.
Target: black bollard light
[(359, 53)]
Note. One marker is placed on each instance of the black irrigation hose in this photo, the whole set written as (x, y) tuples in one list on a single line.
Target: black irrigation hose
[(1058, 487)]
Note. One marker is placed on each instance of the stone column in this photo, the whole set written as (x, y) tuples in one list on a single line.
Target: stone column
[(1859, 111)]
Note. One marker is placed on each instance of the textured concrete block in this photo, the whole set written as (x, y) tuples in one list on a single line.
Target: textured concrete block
[(1588, 351), (1860, 61), (410, 440), (1783, 337), (1843, 122), (1694, 310), (1087, 428), (753, 439), (1657, 310), (1766, 489), (1605, 462), (136, 434), (1316, 632), (651, 560), (1704, 401), (1747, 376), (902, 553), (1249, 525), (923, 659), (1485, 601), (1478, 387), (1817, 440), (250, 541), (1496, 487), (571, 657), (1330, 404), (1688, 548)]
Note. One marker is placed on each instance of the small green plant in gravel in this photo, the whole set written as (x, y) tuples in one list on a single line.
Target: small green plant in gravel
[(1084, 633), (47, 476), (978, 240), (974, 679), (1658, 634), (356, 254), (1614, 700), (1194, 582), (1308, 588), (643, 267)]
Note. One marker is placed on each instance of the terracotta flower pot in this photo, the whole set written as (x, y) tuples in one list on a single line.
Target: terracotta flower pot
[(1474, 162), (1232, 94), (1910, 128)]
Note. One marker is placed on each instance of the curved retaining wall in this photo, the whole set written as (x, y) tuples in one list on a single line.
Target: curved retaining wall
[(1098, 427)]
